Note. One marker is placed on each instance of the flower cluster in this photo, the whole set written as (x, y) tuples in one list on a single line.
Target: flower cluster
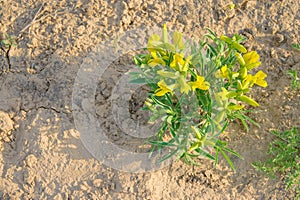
[(237, 79), (175, 68), (197, 90)]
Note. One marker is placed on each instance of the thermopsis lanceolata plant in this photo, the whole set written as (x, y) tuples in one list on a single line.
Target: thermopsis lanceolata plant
[(196, 90)]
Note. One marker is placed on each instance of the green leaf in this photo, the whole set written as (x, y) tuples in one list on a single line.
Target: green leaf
[(296, 46), (190, 160), (137, 60), (135, 74), (169, 155), (212, 50), (211, 32), (216, 157), (233, 152), (248, 100), (243, 120), (160, 103), (206, 154), (194, 146), (224, 127), (151, 151), (161, 143), (172, 131), (138, 81), (169, 119), (228, 160)]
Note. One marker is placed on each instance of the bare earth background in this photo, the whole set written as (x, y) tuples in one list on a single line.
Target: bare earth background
[(41, 154)]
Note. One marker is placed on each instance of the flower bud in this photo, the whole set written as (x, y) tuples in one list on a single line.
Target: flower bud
[(226, 39), (239, 47), (243, 72), (240, 59)]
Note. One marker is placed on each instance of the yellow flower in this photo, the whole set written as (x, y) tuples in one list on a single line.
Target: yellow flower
[(231, 6), (235, 107), (239, 47), (240, 59), (177, 60), (184, 87), (223, 95), (156, 43), (168, 74), (233, 43), (226, 39), (200, 83), (165, 34), (258, 79), (243, 72), (179, 63), (178, 40), (153, 42), (247, 82), (180, 80), (199, 140), (223, 72), (164, 88), (251, 60), (155, 60)]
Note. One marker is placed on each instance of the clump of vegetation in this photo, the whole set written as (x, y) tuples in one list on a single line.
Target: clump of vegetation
[(295, 82), (284, 158), (296, 46), (6, 43), (197, 88)]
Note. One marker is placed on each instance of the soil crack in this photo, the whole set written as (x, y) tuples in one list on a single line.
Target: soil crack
[(7, 57), (46, 108)]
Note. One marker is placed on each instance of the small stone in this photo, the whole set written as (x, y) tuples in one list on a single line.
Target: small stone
[(6, 127), (75, 133), (97, 182), (30, 161), (29, 177), (58, 197), (84, 186), (80, 30)]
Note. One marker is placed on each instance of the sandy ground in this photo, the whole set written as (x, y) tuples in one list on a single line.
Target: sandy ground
[(41, 154)]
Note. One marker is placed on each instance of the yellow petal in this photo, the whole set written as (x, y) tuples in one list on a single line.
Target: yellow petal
[(200, 83), (261, 83), (259, 79), (223, 94), (177, 60), (243, 72), (240, 59), (184, 87), (153, 41), (163, 88), (235, 107), (239, 47), (252, 65), (165, 34), (178, 40), (226, 39), (251, 57), (168, 74), (260, 74)]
